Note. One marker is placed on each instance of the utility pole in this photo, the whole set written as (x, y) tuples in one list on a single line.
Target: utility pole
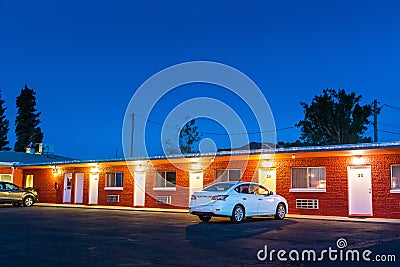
[(132, 131), (375, 121)]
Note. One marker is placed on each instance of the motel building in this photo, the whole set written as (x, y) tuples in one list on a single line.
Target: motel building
[(361, 180)]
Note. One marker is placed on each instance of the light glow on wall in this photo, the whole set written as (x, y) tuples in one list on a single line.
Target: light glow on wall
[(358, 160), (56, 171)]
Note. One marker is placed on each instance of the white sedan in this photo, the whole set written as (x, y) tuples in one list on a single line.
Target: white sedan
[(237, 200)]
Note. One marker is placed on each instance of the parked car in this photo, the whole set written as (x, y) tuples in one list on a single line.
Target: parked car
[(13, 194), (237, 200)]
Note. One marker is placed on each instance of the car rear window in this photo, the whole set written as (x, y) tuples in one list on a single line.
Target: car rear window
[(219, 187)]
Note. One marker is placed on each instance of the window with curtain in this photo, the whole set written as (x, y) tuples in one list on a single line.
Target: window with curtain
[(166, 179), (228, 175), (115, 179), (309, 177), (395, 179)]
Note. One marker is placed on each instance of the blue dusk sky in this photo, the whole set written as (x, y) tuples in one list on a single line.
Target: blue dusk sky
[(86, 59)]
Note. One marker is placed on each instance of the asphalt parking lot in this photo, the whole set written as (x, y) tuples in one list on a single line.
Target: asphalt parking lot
[(48, 236)]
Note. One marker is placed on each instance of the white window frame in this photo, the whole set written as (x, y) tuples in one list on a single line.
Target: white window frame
[(6, 174), (108, 187), (308, 189), (228, 172), (397, 190), (165, 187)]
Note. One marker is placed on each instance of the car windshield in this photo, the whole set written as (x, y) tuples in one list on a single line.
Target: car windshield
[(219, 187)]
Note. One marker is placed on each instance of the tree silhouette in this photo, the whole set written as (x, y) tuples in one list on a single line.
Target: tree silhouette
[(26, 124), (335, 117), (4, 127)]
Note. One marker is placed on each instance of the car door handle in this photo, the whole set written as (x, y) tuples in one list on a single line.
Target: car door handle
[(260, 199), (244, 198)]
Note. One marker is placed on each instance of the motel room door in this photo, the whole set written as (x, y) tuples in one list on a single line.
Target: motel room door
[(267, 178), (79, 177), (360, 190), (67, 187), (195, 182), (93, 188), (139, 193)]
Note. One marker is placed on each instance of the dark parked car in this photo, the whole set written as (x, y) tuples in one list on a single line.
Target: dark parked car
[(15, 195)]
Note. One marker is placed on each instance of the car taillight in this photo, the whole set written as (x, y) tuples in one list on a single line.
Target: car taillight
[(219, 197), (193, 197)]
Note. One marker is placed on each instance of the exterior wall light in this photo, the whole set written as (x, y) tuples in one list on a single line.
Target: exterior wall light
[(293, 156), (140, 168), (196, 166), (95, 168), (56, 171), (358, 160)]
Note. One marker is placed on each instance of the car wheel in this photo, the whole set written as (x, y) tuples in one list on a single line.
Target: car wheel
[(205, 218), (280, 211), (28, 201), (237, 214), (16, 204)]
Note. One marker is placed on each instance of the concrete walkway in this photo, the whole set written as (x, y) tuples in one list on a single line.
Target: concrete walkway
[(294, 216)]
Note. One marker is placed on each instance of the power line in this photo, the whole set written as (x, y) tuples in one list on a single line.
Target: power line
[(213, 133), (391, 125), (391, 107), (389, 132)]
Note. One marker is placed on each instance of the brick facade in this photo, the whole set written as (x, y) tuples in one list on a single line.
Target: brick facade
[(334, 201)]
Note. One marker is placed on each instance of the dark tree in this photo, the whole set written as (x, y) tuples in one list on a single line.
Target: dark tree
[(4, 127), (188, 136), (27, 121), (335, 117)]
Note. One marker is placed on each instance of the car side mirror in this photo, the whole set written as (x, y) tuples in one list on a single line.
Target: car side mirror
[(270, 193)]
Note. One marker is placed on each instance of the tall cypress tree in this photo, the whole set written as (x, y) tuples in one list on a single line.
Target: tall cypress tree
[(27, 121), (4, 127)]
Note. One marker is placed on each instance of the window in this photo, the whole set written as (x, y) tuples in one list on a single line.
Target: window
[(228, 175), (115, 180), (166, 179), (395, 179), (219, 187), (5, 178), (308, 179)]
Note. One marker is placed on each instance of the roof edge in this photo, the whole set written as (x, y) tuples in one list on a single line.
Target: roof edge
[(304, 149)]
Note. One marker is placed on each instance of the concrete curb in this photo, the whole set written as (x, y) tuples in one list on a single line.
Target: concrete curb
[(290, 216), (99, 207)]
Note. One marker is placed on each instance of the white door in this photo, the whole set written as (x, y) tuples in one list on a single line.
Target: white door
[(195, 182), (267, 178), (93, 188), (79, 188), (139, 189), (360, 190), (67, 187)]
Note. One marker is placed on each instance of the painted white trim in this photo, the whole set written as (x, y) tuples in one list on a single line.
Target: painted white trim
[(113, 188), (395, 191), (307, 190), (164, 188)]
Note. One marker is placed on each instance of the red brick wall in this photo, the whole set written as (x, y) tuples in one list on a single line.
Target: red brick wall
[(332, 202)]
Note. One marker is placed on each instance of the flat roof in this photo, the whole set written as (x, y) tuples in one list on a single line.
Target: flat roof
[(290, 150)]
